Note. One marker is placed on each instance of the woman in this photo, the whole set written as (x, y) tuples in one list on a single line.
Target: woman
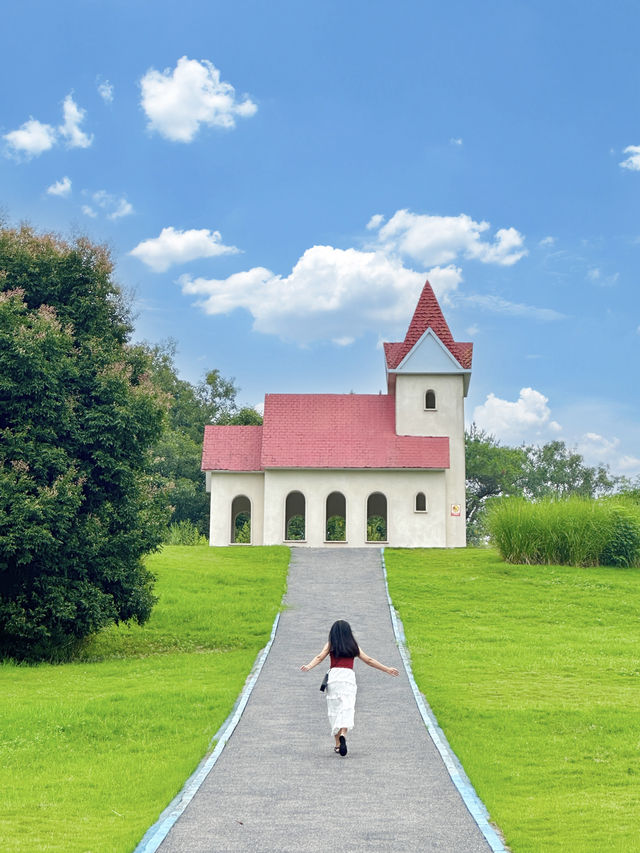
[(341, 688)]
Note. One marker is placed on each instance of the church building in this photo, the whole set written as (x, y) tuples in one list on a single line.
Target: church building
[(353, 469)]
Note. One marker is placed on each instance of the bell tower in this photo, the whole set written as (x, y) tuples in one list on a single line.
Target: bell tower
[(428, 375)]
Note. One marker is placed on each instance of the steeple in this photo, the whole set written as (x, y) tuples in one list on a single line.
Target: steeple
[(428, 315)]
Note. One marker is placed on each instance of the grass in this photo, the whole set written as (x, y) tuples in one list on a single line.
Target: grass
[(92, 751), (534, 674)]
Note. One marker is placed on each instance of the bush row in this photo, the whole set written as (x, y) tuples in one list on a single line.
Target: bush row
[(574, 531)]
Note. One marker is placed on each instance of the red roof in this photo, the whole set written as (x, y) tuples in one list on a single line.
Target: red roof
[(325, 431), (232, 448), (428, 314)]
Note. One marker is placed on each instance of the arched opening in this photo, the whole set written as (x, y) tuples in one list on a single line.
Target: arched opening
[(421, 502), (376, 517), (241, 520), (430, 399), (336, 518), (294, 517)]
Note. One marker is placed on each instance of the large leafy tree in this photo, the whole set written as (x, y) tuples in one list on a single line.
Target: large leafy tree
[(78, 416)]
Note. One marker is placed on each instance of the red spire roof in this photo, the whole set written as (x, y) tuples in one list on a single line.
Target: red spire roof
[(428, 315)]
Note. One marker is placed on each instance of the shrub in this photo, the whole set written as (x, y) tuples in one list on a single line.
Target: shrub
[(574, 531), (336, 531), (184, 533), (295, 528), (376, 529), (243, 532)]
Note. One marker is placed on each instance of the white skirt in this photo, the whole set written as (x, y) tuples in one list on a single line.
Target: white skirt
[(341, 698)]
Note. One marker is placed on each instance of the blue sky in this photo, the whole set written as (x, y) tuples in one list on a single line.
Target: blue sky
[(277, 180)]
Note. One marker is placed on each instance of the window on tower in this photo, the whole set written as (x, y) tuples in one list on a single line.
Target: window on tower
[(430, 399)]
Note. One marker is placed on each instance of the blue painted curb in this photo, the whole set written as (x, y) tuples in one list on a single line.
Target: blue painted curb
[(472, 801), (154, 836)]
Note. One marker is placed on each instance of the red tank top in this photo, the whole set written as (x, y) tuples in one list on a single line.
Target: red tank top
[(341, 663)]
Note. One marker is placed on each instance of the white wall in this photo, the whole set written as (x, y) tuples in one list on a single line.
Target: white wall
[(405, 527), (447, 419), (224, 488)]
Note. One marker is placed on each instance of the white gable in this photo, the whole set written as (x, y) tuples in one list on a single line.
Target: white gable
[(429, 355)]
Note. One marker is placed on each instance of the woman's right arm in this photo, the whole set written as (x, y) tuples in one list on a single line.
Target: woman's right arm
[(317, 659)]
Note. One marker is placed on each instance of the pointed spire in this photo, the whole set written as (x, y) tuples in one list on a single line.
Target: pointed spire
[(428, 315)]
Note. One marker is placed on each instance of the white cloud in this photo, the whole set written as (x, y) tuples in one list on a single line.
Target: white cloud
[(527, 418), (73, 117), (595, 275), (375, 222), (61, 187), (597, 449), (105, 90), (442, 239), (114, 207), (176, 102), (629, 465), (330, 294), (179, 247), (455, 140), (89, 211), (633, 160), (592, 443), (547, 241), (498, 305), (31, 139)]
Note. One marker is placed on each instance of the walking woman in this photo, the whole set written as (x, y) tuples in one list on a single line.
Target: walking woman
[(341, 688)]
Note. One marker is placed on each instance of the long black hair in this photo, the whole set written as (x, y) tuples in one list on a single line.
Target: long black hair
[(342, 643)]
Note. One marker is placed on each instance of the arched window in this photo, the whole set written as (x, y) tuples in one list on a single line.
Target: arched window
[(241, 520), (376, 517), (336, 518), (430, 399), (421, 502), (294, 517)]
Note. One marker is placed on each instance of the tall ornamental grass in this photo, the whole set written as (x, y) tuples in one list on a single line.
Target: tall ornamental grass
[(570, 532)]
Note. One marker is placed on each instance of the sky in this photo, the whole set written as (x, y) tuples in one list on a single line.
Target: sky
[(276, 181)]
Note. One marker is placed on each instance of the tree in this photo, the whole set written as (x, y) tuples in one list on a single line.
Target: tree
[(554, 470), (492, 470), (178, 451), (78, 416)]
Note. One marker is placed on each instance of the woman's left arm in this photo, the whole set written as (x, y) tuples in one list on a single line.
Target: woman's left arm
[(390, 670), (317, 659)]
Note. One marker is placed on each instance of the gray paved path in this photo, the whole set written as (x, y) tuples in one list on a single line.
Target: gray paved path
[(278, 786)]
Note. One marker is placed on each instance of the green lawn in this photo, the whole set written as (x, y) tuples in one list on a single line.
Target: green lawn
[(534, 674), (92, 751)]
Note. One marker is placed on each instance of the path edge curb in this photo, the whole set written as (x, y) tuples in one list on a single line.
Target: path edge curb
[(472, 801), (157, 833)]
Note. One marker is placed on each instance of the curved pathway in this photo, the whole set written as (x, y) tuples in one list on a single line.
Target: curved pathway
[(278, 785)]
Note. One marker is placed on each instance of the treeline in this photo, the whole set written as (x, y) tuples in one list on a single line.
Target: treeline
[(534, 472)]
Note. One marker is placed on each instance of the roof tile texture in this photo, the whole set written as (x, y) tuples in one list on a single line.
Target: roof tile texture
[(322, 431)]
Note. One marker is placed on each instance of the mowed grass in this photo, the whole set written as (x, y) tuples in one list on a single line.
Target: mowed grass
[(92, 751), (534, 674)]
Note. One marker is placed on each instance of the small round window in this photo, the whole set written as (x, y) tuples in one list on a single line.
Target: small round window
[(421, 502)]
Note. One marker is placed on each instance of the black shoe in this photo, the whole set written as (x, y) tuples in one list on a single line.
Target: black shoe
[(343, 745)]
